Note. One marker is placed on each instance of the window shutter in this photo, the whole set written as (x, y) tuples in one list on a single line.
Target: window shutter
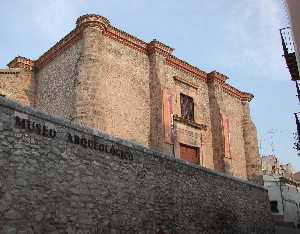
[(169, 134), (226, 135)]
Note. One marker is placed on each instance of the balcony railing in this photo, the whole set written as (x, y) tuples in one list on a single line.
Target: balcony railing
[(289, 52)]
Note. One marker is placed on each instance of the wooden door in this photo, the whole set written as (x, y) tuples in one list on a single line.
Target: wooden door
[(188, 153)]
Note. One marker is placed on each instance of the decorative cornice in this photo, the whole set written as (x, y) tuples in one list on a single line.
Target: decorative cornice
[(190, 123), (70, 39), (92, 20), (186, 67), (21, 62), (133, 42), (126, 39), (243, 96), (76, 34), (188, 83), (120, 36), (247, 96), (232, 91), (219, 78), (156, 46), (10, 71)]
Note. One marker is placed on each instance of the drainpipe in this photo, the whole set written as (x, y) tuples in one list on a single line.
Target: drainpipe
[(281, 197)]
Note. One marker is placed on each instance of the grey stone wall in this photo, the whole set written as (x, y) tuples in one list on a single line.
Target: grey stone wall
[(56, 177)]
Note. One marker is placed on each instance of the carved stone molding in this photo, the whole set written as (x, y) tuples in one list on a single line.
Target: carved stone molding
[(190, 123), (92, 20), (186, 67), (219, 78), (10, 71), (69, 40), (159, 47), (188, 83), (126, 39)]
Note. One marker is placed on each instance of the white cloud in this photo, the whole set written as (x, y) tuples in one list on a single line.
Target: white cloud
[(252, 31)]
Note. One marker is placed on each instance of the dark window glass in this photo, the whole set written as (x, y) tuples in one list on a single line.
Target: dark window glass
[(274, 206), (187, 107)]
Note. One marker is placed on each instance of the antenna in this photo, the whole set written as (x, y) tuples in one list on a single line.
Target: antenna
[(260, 146), (261, 140), (271, 132)]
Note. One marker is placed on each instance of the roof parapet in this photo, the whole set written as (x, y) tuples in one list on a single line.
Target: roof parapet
[(21, 62), (221, 79), (214, 75), (157, 46), (92, 20), (246, 96)]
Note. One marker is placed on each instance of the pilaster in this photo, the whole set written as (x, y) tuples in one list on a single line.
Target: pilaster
[(157, 53), (215, 103), (253, 163), (92, 28)]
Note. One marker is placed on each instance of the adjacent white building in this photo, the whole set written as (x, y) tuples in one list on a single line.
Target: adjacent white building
[(284, 196), (283, 191)]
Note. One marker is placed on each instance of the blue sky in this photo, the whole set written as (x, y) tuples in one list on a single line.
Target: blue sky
[(239, 38)]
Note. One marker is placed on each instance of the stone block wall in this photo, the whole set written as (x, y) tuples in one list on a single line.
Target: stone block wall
[(57, 177)]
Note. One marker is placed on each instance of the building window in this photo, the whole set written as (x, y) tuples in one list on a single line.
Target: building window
[(274, 206), (187, 107)]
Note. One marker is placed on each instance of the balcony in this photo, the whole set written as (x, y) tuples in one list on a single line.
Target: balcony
[(289, 53)]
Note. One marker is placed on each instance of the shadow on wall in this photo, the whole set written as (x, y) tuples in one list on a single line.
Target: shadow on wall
[(223, 220)]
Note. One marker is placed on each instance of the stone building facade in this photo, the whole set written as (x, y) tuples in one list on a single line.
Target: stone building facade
[(107, 79)]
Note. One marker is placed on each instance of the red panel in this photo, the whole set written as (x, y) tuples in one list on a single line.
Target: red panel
[(188, 153), (168, 116), (226, 134)]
